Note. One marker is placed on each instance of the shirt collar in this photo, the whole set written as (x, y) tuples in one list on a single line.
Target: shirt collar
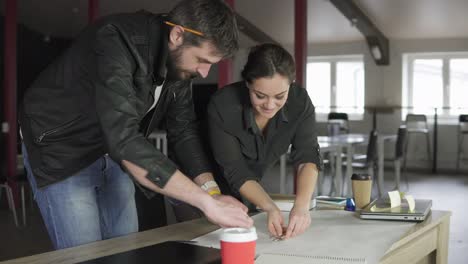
[(160, 68), (248, 116)]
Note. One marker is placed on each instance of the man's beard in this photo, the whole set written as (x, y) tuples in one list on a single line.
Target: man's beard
[(174, 71)]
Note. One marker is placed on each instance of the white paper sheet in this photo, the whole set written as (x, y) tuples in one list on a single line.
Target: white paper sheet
[(395, 199), (332, 233), (411, 202), (296, 259)]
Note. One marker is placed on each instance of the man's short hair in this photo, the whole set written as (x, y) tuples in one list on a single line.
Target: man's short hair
[(214, 18)]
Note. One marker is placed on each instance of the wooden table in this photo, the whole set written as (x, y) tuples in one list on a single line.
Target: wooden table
[(427, 242)]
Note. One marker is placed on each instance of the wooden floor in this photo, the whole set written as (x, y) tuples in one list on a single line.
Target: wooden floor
[(448, 192)]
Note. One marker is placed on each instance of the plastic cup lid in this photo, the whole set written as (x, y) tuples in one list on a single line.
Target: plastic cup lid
[(239, 234), (361, 177)]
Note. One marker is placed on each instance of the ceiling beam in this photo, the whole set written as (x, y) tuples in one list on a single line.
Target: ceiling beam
[(376, 40), (253, 32)]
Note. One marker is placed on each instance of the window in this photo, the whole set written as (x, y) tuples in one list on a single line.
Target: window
[(436, 80), (458, 86), (336, 84)]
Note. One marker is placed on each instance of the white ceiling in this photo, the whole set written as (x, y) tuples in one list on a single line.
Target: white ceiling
[(397, 19)]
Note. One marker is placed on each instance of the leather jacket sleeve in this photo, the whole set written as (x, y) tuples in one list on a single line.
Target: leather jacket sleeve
[(184, 134), (115, 100)]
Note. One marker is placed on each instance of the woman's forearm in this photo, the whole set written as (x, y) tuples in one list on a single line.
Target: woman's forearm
[(307, 175), (254, 193)]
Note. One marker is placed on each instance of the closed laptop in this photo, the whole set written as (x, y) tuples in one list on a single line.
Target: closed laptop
[(380, 209)]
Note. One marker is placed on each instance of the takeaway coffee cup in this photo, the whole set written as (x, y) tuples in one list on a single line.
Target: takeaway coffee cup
[(238, 245), (362, 188)]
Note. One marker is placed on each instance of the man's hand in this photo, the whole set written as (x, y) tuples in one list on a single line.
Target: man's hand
[(232, 201), (299, 221), (225, 214), (275, 222)]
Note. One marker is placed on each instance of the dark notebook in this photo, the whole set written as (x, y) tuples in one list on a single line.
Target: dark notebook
[(164, 253)]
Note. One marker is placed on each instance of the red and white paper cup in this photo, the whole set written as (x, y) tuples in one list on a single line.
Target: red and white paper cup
[(238, 245)]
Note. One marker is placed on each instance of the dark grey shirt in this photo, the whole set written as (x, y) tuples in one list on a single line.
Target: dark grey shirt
[(239, 147)]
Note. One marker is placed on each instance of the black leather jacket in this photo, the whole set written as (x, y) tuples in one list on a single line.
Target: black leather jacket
[(93, 100)]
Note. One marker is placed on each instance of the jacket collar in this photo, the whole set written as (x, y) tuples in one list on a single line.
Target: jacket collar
[(161, 54)]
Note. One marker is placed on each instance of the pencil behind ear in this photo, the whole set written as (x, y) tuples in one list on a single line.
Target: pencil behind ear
[(176, 36)]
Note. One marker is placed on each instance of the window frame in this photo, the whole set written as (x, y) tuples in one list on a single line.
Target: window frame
[(334, 60), (444, 115)]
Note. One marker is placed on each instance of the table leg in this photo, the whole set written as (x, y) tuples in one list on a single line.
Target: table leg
[(442, 243), (338, 180), (283, 174), (349, 171), (380, 165), (164, 143)]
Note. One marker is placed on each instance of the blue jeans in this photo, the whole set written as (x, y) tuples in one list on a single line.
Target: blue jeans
[(94, 204)]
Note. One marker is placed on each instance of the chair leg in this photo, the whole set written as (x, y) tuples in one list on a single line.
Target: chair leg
[(428, 146), (11, 204), (405, 151), (380, 187), (404, 173), (397, 173), (318, 187), (460, 154), (458, 151), (333, 185)]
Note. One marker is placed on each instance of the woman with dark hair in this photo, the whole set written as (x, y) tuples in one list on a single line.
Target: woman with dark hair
[(253, 122)]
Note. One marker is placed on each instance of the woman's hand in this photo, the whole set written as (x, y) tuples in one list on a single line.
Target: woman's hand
[(299, 221), (275, 222)]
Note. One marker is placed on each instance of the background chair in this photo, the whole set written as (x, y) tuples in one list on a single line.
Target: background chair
[(367, 162), (399, 153), (462, 131), (6, 185), (9, 195), (338, 123), (328, 160), (22, 182), (416, 124)]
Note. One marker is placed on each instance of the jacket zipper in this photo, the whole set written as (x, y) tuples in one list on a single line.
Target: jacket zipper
[(55, 130)]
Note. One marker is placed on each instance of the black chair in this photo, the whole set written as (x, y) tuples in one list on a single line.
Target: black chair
[(462, 131), (338, 123), (368, 162), (399, 154)]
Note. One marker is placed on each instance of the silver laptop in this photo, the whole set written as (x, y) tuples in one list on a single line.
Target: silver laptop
[(400, 213)]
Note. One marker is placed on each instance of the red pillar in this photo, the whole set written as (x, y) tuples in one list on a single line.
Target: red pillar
[(225, 66), (9, 97), (93, 10), (300, 40), (300, 49)]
